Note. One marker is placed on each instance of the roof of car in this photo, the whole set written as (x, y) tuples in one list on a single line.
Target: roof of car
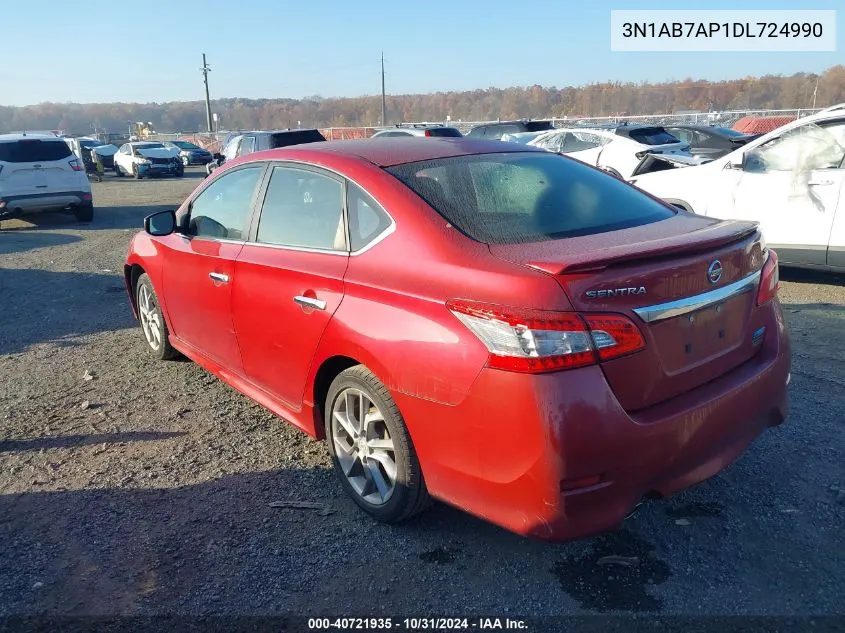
[(386, 152), (17, 136)]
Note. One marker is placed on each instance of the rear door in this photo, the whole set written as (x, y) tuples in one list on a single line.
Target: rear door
[(32, 167), (793, 185), (199, 266), (289, 280)]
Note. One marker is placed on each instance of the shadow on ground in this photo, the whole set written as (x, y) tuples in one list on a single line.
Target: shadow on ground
[(59, 306)]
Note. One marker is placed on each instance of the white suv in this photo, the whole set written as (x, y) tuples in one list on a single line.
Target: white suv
[(39, 172)]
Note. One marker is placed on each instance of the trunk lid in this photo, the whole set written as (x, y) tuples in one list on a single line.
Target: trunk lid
[(637, 271)]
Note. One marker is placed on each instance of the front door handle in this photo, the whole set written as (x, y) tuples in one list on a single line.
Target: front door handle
[(820, 183), (310, 302), (219, 277)]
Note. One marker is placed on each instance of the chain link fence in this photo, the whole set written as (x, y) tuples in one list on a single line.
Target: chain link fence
[(726, 118)]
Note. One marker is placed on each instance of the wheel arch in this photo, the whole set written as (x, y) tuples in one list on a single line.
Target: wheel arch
[(131, 274), (328, 370)]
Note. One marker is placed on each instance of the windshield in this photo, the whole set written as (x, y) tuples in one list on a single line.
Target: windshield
[(443, 131), (538, 126), (185, 145), (518, 197), (653, 136)]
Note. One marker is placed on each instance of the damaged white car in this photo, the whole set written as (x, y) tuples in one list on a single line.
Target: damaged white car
[(147, 159), (790, 180), (622, 150)]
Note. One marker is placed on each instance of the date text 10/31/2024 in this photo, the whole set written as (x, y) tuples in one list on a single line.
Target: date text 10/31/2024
[(417, 624)]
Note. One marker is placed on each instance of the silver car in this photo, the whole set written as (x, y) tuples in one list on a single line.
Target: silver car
[(418, 129)]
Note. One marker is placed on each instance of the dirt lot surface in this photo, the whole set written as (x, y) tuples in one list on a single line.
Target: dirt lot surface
[(139, 487)]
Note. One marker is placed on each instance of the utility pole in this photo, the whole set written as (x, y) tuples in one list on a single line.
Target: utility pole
[(205, 70), (383, 99), (815, 91)]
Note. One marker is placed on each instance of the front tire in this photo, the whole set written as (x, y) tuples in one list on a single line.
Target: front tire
[(371, 449), (135, 173), (152, 320), (186, 162)]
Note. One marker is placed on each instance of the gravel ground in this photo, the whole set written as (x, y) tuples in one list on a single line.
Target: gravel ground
[(129, 486)]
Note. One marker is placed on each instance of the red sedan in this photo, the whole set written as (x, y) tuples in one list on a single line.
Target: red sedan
[(492, 325)]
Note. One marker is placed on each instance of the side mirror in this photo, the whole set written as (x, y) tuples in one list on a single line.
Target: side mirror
[(161, 223), (218, 157)]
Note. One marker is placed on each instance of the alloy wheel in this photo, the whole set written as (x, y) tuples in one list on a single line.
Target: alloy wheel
[(150, 317), (364, 448)]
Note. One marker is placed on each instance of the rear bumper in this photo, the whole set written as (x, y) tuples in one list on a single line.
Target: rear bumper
[(14, 205), (556, 457)]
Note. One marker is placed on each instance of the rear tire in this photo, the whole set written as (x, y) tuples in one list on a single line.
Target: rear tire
[(152, 320), (186, 162), (84, 213), (372, 452)]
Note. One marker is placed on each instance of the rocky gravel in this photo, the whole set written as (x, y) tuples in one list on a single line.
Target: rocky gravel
[(129, 486)]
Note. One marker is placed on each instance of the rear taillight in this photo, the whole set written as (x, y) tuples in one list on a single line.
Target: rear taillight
[(528, 340), (769, 279), (427, 132), (74, 164)]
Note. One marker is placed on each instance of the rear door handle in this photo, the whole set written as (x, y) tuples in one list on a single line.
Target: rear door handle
[(310, 302), (820, 183), (219, 277)]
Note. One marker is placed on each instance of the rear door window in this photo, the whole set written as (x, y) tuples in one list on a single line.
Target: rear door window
[(444, 131), (295, 137), (367, 220), (34, 151), (538, 126), (304, 209)]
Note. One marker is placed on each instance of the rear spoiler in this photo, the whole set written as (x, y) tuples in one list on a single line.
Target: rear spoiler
[(719, 234)]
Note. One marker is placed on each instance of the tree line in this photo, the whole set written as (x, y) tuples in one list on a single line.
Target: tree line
[(800, 90)]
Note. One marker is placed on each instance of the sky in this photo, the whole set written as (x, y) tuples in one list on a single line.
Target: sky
[(62, 51)]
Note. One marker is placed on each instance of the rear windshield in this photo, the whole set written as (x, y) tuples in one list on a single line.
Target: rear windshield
[(443, 131), (538, 126), (508, 198), (283, 139), (34, 151), (653, 136)]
